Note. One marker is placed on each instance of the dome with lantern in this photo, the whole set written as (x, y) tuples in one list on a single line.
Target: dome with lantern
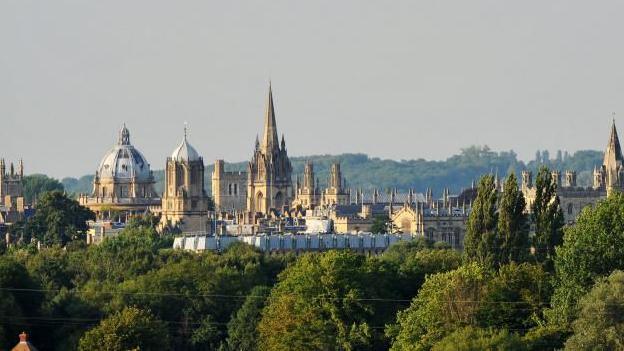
[(124, 161)]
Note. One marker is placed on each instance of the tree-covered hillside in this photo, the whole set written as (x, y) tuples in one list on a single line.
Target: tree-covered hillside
[(456, 172)]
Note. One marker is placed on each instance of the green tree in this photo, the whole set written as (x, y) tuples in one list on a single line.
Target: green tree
[(600, 323), (58, 219), (591, 249), (515, 297), (323, 301), (512, 228), (475, 339), (18, 299), (37, 184), (547, 217), (480, 243), (242, 328), (414, 260), (130, 329), (446, 302), (380, 225)]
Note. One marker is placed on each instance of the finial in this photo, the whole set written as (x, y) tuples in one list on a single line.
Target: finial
[(185, 129)]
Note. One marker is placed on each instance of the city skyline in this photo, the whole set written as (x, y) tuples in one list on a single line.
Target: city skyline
[(512, 77)]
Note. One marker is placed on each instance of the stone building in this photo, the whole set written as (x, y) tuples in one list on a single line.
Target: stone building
[(12, 206), (307, 194), (124, 184), (336, 192), (185, 202), (607, 178), (229, 189), (269, 173), (436, 221), (266, 185)]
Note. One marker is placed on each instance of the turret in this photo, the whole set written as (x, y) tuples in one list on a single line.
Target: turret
[(570, 178), (527, 179), (556, 177), (21, 168)]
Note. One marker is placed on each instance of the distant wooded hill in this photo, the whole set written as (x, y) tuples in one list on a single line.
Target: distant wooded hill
[(456, 172)]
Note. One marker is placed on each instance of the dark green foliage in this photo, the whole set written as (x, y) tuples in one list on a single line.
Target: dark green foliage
[(600, 322), (413, 261), (515, 297), (446, 302), (481, 244), (130, 329), (512, 228), (471, 296), (326, 301), (37, 184), (547, 217), (242, 328), (475, 339), (58, 220), (380, 225), (591, 249), (18, 300)]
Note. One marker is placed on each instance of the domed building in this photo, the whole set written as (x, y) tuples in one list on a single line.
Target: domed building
[(185, 204), (124, 184)]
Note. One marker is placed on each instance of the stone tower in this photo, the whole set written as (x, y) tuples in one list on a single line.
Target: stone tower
[(335, 194), (11, 182), (184, 202), (308, 193), (269, 182)]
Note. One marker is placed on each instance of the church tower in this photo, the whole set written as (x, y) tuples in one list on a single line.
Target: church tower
[(269, 171), (613, 170), (184, 202), (335, 193), (308, 194)]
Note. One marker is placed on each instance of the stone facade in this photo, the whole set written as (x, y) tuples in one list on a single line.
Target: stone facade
[(229, 189), (12, 206), (185, 202), (440, 220)]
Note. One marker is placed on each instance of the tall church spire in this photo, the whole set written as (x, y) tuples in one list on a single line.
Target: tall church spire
[(269, 139), (613, 153)]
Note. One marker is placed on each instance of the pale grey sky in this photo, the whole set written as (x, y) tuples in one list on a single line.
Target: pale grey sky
[(394, 79)]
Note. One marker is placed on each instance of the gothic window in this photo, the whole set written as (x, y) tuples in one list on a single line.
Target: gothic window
[(104, 191), (235, 189), (259, 199), (570, 209), (279, 198), (229, 189)]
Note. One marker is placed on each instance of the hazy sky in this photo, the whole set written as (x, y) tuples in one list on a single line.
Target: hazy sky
[(394, 79)]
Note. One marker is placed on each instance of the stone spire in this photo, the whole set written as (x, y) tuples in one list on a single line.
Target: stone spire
[(613, 153), (269, 139)]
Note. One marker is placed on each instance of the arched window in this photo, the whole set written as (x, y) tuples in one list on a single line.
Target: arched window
[(229, 189), (235, 189), (259, 200), (279, 199), (570, 209)]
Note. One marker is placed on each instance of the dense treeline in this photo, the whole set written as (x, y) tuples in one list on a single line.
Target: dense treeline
[(456, 172), (554, 288)]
